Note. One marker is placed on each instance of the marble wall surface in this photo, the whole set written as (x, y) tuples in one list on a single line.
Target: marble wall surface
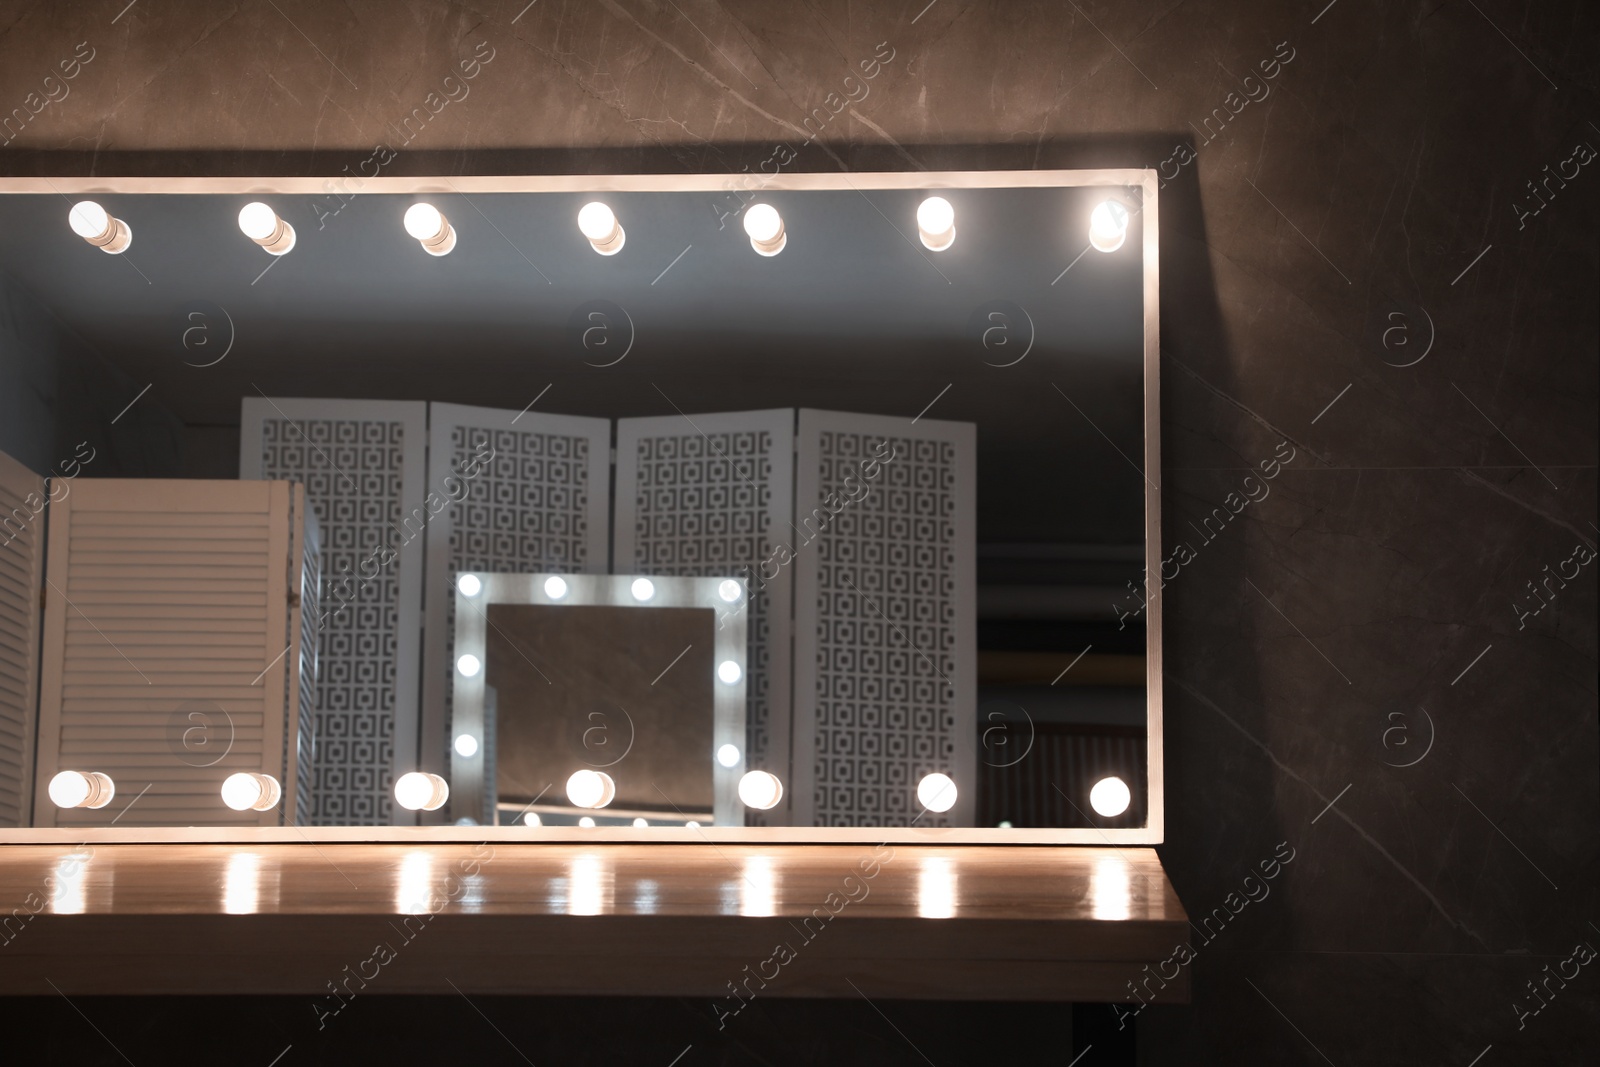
[(1379, 246)]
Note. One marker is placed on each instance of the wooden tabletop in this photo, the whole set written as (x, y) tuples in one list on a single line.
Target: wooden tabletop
[(976, 923)]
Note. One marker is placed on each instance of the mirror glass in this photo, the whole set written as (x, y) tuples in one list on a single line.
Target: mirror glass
[(878, 447)]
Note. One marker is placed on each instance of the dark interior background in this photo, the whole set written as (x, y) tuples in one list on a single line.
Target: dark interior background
[(1354, 262)]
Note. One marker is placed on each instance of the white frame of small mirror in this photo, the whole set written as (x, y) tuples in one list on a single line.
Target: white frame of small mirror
[(1142, 185), (600, 590)]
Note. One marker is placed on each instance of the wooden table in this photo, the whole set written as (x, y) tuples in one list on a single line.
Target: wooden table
[(721, 921)]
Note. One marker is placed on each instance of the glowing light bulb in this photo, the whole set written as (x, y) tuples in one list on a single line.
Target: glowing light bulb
[(691, 825), (81, 789), (555, 588), (936, 792), (591, 789), (246, 791), (532, 819), (730, 590), (97, 226), (599, 224), (586, 822), (469, 585), (429, 226), (466, 746), (263, 226), (728, 672), (760, 790), (469, 665), (640, 824), (1108, 226), (643, 589), (765, 227), (421, 791), (728, 755), (936, 223), (1110, 797)]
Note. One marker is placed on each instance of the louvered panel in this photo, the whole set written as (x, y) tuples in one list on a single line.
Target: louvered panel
[(885, 618), (713, 495), (22, 524), (165, 672), (541, 502), (362, 463)]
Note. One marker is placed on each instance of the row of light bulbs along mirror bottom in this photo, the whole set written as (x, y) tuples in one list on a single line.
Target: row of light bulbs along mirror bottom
[(936, 225), (593, 790)]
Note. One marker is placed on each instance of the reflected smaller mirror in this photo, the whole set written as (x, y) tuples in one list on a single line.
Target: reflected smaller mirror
[(598, 700)]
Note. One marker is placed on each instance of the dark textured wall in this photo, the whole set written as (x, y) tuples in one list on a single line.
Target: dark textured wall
[(1353, 261)]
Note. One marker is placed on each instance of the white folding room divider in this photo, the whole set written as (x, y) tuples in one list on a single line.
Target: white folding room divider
[(708, 495), (885, 618), (362, 463), (540, 502), (22, 519), (171, 646)]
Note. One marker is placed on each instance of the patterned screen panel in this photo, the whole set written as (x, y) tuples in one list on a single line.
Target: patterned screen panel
[(523, 493), (710, 495), (362, 463), (885, 618)]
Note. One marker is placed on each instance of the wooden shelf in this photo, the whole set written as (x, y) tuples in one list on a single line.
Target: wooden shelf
[(969, 923)]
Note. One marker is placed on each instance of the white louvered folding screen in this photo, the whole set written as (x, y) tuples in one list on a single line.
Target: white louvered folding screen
[(22, 519), (885, 618), (712, 495), (169, 654), (540, 502)]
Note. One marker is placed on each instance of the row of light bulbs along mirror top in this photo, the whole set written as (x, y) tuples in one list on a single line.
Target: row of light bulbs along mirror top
[(936, 224)]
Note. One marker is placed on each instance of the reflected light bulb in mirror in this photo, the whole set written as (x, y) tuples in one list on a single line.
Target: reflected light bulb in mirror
[(599, 224), (765, 228), (586, 822), (246, 791), (591, 789), (532, 819), (936, 223), (263, 226), (760, 790), (429, 226), (466, 746), (555, 588), (728, 755), (81, 789), (97, 226), (640, 824), (1110, 797), (421, 791), (643, 589), (1108, 226), (469, 584), (729, 590), (728, 672), (936, 792), (469, 665)]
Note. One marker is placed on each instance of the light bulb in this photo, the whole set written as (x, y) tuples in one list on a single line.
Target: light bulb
[(936, 792), (555, 588), (421, 791), (728, 755), (428, 225), (728, 672), (246, 791), (643, 589), (532, 819), (591, 789), (729, 590), (760, 790), (765, 228), (691, 825), (586, 822), (936, 223), (88, 219), (599, 224), (1110, 797), (640, 824), (469, 665), (263, 226), (94, 224), (1108, 226), (81, 789), (466, 746), (469, 584)]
